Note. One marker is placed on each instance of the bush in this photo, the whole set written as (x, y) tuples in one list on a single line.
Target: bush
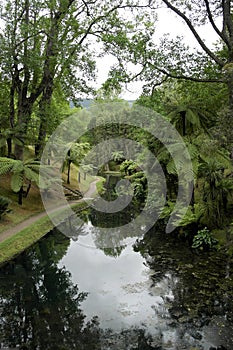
[(204, 240), (4, 203)]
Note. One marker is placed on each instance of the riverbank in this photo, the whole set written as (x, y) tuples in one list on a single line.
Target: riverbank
[(18, 238)]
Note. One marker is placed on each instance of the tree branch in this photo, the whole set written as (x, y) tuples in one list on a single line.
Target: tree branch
[(184, 77), (48, 75), (87, 32), (29, 37), (196, 35), (222, 35), (86, 5), (228, 20)]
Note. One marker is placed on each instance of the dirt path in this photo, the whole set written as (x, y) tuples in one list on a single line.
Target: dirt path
[(22, 225)]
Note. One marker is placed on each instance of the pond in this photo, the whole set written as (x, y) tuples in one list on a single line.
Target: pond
[(151, 293)]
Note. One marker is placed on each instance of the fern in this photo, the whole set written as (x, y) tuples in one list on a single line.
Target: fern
[(18, 166), (17, 182), (4, 203), (31, 175), (21, 171), (6, 168)]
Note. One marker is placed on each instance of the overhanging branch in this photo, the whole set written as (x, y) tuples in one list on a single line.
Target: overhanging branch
[(222, 34), (196, 35), (190, 78)]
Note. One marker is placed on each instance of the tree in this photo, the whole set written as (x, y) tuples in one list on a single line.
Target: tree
[(45, 45), (21, 171), (216, 68), (75, 154), (187, 119), (173, 58)]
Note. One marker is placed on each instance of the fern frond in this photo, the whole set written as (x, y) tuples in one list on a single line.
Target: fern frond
[(4, 169), (6, 160), (17, 166), (16, 181), (31, 175), (171, 167), (32, 162)]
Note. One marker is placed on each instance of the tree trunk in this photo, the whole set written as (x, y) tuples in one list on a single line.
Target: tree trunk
[(44, 114), (68, 172), (39, 146), (28, 189), (230, 113), (24, 115), (20, 196), (9, 147), (183, 116), (192, 201), (11, 118)]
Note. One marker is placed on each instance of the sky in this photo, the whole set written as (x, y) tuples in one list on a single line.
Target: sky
[(176, 27), (167, 23)]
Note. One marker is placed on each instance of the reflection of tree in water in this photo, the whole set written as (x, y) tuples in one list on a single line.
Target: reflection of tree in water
[(129, 339), (201, 286), (40, 307), (42, 310), (112, 243)]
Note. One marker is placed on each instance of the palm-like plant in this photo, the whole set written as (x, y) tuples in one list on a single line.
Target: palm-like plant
[(21, 171), (189, 119), (210, 163), (74, 155)]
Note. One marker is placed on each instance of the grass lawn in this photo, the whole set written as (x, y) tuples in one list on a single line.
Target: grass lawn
[(23, 239), (84, 183), (32, 204), (17, 243)]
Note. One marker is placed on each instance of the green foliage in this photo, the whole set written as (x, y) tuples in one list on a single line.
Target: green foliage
[(128, 167), (50, 59), (4, 203), (21, 172), (204, 240), (75, 155), (192, 216), (117, 156), (136, 177)]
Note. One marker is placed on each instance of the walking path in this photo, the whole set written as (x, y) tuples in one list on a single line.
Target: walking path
[(22, 225)]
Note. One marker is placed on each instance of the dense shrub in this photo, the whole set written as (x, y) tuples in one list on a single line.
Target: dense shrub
[(204, 240)]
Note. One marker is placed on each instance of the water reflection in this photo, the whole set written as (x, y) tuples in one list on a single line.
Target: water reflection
[(201, 304), (118, 287), (74, 294), (40, 306)]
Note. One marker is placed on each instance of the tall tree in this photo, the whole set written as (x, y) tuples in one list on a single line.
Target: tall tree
[(173, 58), (47, 43)]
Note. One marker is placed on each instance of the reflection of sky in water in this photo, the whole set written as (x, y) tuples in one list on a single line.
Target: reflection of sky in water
[(121, 294), (119, 288)]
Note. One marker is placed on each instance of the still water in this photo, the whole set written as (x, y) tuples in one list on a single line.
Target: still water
[(74, 292)]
